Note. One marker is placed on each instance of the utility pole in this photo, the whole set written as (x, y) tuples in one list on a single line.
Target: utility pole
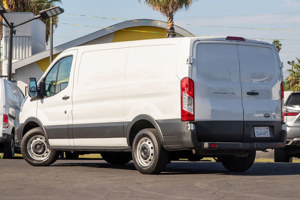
[(51, 40), (48, 13), (10, 53)]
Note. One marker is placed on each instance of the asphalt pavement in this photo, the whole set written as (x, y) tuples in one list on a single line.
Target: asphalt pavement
[(95, 179)]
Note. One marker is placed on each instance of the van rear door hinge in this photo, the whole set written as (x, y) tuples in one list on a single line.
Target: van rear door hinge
[(190, 60)]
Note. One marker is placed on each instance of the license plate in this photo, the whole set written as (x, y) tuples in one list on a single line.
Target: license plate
[(262, 131)]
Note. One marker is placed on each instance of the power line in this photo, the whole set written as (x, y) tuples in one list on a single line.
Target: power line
[(153, 32), (200, 25)]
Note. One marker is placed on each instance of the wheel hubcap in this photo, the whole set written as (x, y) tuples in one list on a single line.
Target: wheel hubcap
[(145, 152), (37, 148)]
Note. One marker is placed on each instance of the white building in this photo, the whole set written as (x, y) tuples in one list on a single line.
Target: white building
[(29, 39)]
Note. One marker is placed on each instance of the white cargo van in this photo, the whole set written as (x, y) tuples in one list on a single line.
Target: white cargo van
[(156, 101), (11, 99)]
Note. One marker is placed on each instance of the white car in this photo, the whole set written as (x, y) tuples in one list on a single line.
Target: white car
[(11, 99), (292, 119), (157, 100)]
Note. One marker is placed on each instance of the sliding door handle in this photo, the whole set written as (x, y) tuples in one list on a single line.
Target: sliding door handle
[(65, 97)]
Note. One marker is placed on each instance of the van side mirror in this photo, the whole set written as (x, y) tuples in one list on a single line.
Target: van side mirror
[(33, 90)]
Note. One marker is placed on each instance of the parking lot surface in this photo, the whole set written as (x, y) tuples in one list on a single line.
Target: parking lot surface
[(96, 179)]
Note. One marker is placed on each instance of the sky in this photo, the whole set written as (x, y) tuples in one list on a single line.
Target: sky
[(264, 20)]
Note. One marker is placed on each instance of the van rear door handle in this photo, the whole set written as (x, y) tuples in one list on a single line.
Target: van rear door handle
[(65, 97), (253, 92)]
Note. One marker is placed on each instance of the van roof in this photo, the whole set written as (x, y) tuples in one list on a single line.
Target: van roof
[(231, 38), (174, 40)]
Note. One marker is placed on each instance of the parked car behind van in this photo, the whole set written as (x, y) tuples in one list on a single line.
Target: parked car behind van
[(11, 99), (292, 119), (157, 100)]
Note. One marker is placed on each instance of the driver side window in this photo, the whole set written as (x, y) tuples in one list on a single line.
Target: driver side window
[(58, 77)]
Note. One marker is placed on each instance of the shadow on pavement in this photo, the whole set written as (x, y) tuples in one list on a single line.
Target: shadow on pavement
[(178, 168)]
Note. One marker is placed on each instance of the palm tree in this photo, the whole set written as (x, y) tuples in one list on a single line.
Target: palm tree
[(292, 82), (34, 6), (19, 5), (168, 8), (277, 44)]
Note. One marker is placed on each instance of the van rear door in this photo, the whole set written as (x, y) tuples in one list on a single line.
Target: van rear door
[(218, 101), (260, 79), (237, 91)]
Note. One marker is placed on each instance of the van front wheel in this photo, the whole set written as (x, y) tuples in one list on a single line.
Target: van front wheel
[(148, 154), (35, 149), (238, 164)]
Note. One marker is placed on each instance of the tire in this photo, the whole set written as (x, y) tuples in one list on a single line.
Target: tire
[(35, 149), (148, 154), (9, 148), (116, 158), (71, 156), (194, 158), (238, 164), (281, 155)]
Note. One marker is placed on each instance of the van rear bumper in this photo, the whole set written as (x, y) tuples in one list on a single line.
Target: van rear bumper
[(241, 145), (178, 135)]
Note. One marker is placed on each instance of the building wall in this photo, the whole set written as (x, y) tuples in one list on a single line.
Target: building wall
[(106, 39), (38, 38), (139, 33), (21, 47), (22, 75), (26, 42)]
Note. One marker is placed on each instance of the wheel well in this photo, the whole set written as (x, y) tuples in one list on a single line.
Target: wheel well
[(139, 125), (29, 126)]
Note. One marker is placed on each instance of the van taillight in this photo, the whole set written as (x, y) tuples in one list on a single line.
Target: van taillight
[(187, 100), (5, 121), (282, 99), (235, 38)]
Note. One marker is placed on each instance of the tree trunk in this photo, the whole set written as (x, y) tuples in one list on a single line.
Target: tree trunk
[(170, 30)]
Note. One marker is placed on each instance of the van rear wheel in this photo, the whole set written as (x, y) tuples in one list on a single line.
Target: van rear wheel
[(116, 158), (281, 155), (9, 148), (35, 149), (238, 164), (148, 154)]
